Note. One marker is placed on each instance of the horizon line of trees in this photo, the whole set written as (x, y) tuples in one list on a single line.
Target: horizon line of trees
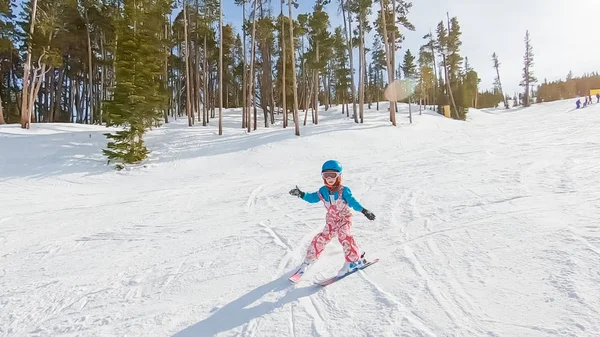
[(139, 63)]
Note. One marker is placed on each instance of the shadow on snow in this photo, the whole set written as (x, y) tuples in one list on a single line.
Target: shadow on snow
[(236, 313), (41, 155)]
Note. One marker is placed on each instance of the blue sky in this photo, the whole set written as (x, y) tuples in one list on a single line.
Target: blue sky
[(563, 33)]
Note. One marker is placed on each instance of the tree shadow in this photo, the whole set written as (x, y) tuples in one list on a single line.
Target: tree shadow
[(203, 142), (39, 155), (236, 313), (58, 149)]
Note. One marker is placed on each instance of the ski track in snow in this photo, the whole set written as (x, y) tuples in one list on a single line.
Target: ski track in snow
[(484, 228)]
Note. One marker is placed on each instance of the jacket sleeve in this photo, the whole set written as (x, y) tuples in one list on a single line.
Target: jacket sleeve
[(349, 198), (312, 197)]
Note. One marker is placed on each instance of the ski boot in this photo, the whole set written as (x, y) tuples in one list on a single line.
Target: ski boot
[(301, 270), (352, 266)]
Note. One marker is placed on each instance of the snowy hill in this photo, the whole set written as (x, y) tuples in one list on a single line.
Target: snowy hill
[(487, 227)]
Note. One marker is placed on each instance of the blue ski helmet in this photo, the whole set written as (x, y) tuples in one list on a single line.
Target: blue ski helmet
[(333, 165)]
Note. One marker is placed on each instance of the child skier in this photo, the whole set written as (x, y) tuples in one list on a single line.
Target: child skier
[(338, 200)]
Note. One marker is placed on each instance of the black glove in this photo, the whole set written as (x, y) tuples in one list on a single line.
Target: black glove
[(368, 214), (296, 192)]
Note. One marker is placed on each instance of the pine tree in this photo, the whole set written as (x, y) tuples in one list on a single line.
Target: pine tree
[(408, 66), (528, 76), (469, 89), (379, 65), (342, 70), (426, 74), (454, 43), (427, 64), (565, 89), (139, 96), (320, 49), (442, 44), (497, 82)]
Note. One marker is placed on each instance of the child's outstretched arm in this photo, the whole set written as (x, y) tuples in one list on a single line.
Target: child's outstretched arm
[(309, 197), (355, 205)]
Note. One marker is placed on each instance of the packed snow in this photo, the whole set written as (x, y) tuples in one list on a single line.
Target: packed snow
[(485, 227)]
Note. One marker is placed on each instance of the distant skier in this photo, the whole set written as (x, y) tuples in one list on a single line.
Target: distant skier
[(338, 200), (578, 103), (598, 98)]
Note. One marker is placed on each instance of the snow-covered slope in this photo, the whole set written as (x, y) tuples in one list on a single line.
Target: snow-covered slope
[(487, 227)]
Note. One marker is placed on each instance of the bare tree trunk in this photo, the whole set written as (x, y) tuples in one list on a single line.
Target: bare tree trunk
[(252, 55), (221, 67), (448, 75), (308, 94), (316, 85), (435, 74), (84, 100), (390, 69), (500, 87), (348, 32), (309, 89), (283, 63), (254, 109), (114, 64), (90, 66), (1, 112), (50, 94), (71, 100), (326, 87), (315, 95), (378, 78), (244, 75), (361, 70), (393, 49), (166, 74), (421, 99), (188, 108), (205, 73), (410, 109), (294, 82), (57, 96), (25, 107), (272, 90), (36, 84), (196, 66), (102, 79), (178, 81), (449, 87)]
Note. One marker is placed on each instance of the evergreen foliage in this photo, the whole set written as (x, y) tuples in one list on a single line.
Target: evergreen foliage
[(408, 66), (139, 96), (131, 64), (528, 75), (571, 87)]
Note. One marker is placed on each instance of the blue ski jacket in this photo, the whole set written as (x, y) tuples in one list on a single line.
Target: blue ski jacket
[(347, 196)]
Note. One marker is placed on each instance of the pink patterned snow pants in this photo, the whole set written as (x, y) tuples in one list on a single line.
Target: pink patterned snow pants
[(338, 222)]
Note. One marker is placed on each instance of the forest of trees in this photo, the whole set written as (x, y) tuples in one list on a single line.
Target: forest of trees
[(139, 63), (571, 87)]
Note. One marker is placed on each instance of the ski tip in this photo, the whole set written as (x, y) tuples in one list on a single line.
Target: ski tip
[(295, 278), (336, 278)]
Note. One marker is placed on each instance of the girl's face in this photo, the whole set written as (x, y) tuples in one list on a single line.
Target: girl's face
[(330, 176)]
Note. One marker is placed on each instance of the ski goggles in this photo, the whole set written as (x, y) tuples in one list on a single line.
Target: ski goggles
[(333, 175)]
